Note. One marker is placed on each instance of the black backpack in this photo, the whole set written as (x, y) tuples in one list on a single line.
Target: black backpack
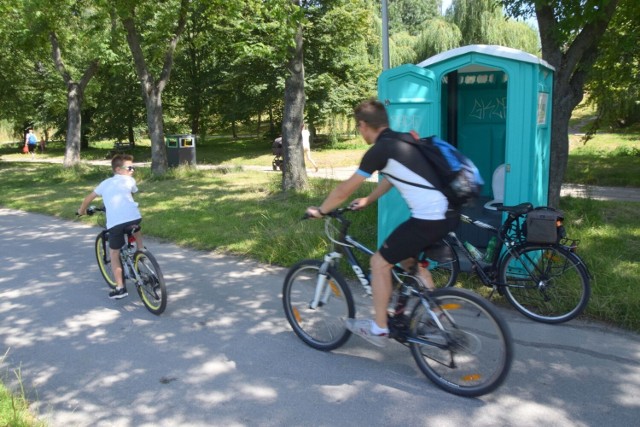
[(460, 180)]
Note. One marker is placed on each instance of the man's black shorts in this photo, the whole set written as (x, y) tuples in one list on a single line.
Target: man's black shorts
[(414, 235), (116, 233)]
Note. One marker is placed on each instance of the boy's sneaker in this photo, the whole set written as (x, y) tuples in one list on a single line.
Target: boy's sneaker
[(362, 328), (118, 293)]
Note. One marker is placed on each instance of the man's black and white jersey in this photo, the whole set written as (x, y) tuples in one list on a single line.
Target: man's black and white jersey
[(402, 160)]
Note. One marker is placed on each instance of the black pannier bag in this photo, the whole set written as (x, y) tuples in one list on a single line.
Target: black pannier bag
[(544, 225)]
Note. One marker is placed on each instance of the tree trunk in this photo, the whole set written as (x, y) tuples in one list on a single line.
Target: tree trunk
[(195, 122), (294, 175), (130, 134), (75, 95), (152, 90), (572, 64), (563, 105), (153, 101), (74, 122)]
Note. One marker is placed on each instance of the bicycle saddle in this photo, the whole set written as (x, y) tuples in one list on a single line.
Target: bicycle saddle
[(520, 209)]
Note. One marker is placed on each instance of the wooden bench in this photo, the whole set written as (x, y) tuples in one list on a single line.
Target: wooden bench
[(122, 146), (119, 147)]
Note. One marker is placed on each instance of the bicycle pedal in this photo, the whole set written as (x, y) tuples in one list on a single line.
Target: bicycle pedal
[(398, 327)]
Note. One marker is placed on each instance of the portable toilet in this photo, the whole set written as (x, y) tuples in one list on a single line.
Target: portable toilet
[(494, 104)]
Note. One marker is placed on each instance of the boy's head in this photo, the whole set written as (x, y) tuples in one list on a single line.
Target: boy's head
[(373, 113), (371, 118), (121, 163)]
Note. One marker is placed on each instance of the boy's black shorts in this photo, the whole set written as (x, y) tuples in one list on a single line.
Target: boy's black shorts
[(116, 233), (414, 235)]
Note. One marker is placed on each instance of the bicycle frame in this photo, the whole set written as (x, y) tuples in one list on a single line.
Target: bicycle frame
[(504, 245), (126, 258), (347, 243), (452, 237)]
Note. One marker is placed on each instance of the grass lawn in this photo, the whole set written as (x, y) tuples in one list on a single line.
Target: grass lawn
[(244, 213), (610, 159)]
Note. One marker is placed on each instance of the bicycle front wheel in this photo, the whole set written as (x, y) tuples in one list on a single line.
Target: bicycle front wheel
[(470, 352), (104, 260), (323, 327), (548, 284), (151, 286)]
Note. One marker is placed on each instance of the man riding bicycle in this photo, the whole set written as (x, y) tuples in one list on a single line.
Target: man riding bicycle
[(431, 217)]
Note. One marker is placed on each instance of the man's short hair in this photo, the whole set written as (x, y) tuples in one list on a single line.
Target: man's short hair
[(373, 113), (118, 160)]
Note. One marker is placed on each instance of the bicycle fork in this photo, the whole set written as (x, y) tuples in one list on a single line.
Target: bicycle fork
[(323, 287)]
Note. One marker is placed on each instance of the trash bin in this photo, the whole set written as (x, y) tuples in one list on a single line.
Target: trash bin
[(181, 150)]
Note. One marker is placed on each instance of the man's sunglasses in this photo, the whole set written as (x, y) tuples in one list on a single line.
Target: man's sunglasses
[(130, 168)]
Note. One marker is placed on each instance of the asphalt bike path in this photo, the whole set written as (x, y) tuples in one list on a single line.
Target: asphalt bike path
[(223, 353)]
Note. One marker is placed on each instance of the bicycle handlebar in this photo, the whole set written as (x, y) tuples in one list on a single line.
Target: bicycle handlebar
[(337, 213), (93, 209)]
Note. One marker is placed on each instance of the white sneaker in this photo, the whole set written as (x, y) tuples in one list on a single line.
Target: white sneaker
[(362, 328)]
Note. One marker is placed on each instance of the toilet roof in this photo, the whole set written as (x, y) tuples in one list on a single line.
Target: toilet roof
[(491, 50)]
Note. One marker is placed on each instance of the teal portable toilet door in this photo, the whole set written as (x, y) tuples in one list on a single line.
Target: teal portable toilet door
[(409, 95), (476, 118)]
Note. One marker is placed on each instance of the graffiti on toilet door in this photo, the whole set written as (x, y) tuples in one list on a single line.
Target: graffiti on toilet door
[(489, 109)]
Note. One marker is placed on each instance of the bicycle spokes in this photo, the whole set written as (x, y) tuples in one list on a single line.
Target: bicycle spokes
[(150, 282), (317, 304), (460, 343), (547, 284)]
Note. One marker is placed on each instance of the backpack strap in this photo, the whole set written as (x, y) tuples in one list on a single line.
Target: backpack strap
[(415, 184)]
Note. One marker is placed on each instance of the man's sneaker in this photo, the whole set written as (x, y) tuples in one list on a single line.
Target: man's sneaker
[(118, 293), (362, 328)]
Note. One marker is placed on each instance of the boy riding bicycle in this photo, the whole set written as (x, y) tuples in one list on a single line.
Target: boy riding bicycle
[(431, 217), (122, 212)]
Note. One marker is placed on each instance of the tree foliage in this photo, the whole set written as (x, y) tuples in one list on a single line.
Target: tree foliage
[(482, 22), (76, 34), (338, 69), (438, 35), (227, 69), (466, 22), (571, 33), (614, 84), (410, 15)]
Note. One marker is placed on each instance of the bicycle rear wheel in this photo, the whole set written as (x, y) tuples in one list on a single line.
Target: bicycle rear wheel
[(323, 327), (548, 284), (443, 264), (151, 288), (471, 354), (104, 260)]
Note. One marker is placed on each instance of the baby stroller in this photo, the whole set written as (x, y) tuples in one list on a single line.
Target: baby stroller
[(276, 148)]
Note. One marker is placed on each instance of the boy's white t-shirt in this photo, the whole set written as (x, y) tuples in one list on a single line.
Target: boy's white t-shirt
[(117, 195)]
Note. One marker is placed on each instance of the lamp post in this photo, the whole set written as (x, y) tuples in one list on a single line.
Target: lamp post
[(385, 36)]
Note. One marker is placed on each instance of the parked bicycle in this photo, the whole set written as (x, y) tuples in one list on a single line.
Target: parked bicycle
[(138, 265), (533, 264), (458, 339)]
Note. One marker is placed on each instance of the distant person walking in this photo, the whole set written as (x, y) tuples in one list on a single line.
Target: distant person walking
[(42, 144), (31, 142), (306, 146)]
